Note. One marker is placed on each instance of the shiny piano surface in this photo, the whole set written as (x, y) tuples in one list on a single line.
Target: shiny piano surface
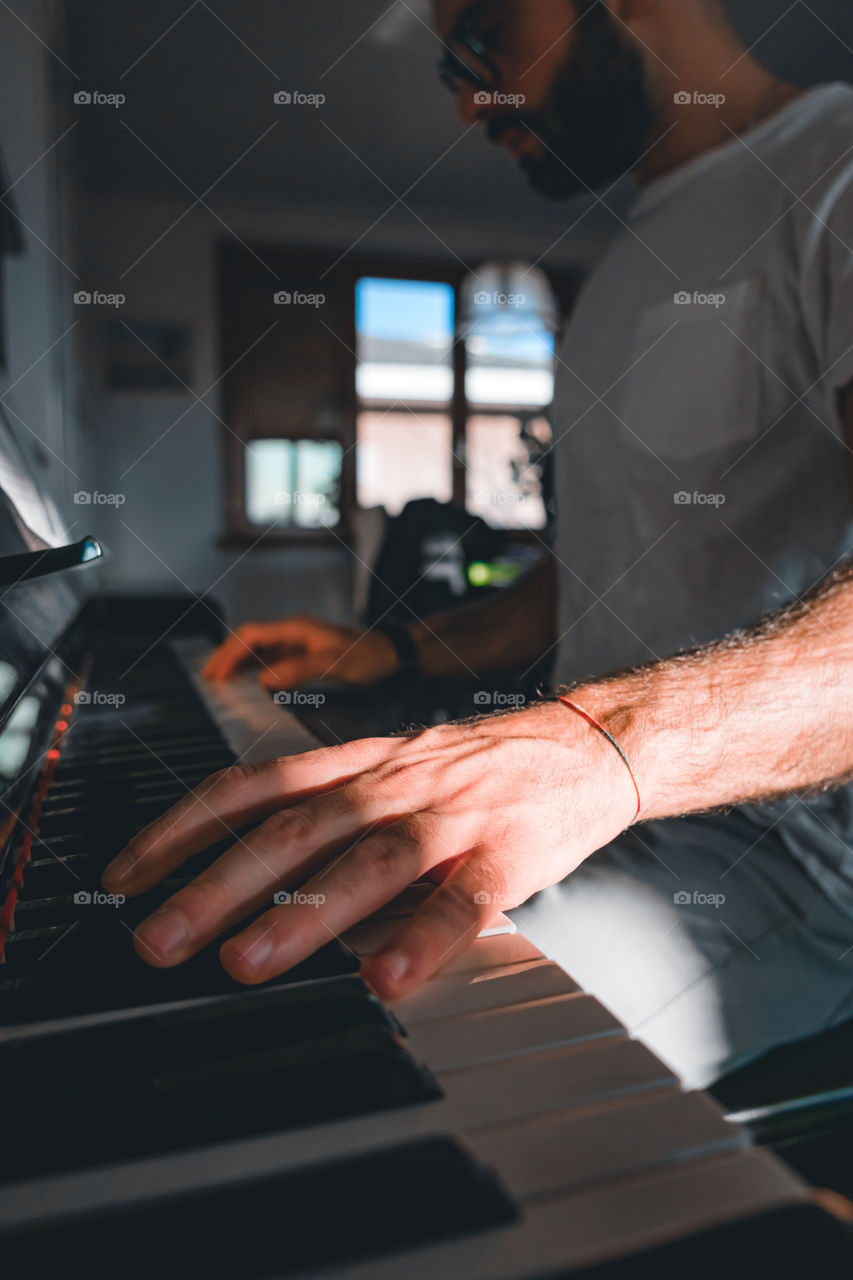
[(499, 1123)]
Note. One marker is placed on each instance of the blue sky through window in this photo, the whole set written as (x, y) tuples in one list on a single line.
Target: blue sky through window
[(405, 310)]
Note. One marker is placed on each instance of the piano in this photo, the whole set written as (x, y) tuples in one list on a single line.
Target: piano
[(500, 1123)]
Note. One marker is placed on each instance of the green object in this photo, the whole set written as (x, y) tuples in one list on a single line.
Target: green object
[(498, 573)]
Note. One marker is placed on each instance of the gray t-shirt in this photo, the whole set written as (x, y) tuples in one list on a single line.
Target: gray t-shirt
[(728, 400), (701, 469)]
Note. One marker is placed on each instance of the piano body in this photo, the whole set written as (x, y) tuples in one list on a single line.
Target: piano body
[(498, 1124)]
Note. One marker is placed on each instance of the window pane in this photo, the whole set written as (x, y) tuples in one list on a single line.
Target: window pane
[(401, 456), (293, 482), (404, 341), (510, 369), (502, 485), (509, 315)]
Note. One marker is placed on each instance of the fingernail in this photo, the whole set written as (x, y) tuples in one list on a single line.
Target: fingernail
[(395, 964), (256, 949), (121, 868), (164, 933)]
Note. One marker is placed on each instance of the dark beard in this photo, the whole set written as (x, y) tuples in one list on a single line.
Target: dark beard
[(596, 125)]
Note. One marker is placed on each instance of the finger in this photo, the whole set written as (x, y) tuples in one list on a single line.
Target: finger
[(283, 850), (299, 669), (240, 648), (230, 799), (367, 875), (447, 923)]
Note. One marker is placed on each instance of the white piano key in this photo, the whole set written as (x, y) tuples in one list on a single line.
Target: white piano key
[(499, 1033), (373, 934), (474, 1100), (255, 727), (605, 1222), (485, 951), (579, 1147), (532, 1084), (492, 989)]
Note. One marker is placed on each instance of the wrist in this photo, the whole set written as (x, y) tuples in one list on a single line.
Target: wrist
[(384, 658), (400, 652), (639, 712), (604, 765)]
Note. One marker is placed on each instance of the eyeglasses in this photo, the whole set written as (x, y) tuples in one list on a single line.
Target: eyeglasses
[(467, 58)]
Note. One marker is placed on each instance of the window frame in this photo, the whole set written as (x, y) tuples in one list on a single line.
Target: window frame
[(240, 532)]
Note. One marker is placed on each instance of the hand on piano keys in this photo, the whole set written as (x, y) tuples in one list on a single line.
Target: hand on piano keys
[(491, 811), (299, 650)]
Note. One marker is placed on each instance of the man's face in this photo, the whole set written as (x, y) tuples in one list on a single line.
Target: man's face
[(585, 113)]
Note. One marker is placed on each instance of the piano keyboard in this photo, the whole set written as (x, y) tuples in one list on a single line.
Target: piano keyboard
[(497, 1124)]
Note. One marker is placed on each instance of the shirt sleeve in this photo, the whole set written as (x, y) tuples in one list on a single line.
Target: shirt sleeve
[(827, 285)]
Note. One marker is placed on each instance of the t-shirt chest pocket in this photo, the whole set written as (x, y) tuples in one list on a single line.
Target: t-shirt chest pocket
[(694, 381)]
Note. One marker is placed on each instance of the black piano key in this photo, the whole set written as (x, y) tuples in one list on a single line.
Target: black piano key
[(57, 985), (119, 768), (56, 876), (74, 771), (349, 1075), (273, 1061), (257, 1020), (322, 1215), (113, 813)]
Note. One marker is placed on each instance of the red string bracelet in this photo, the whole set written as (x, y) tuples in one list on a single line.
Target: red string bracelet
[(573, 706)]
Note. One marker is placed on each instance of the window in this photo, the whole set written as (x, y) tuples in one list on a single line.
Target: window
[(404, 383), (509, 318), (392, 382), (420, 433), (293, 483)]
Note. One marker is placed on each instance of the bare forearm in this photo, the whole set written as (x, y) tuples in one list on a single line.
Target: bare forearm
[(515, 626), (762, 714)]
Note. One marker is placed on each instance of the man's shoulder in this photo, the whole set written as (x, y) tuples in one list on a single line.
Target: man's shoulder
[(812, 149)]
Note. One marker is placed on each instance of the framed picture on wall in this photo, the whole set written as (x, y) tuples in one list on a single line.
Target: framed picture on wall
[(148, 355)]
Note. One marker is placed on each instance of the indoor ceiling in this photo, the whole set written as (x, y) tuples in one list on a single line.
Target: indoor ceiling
[(199, 77)]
